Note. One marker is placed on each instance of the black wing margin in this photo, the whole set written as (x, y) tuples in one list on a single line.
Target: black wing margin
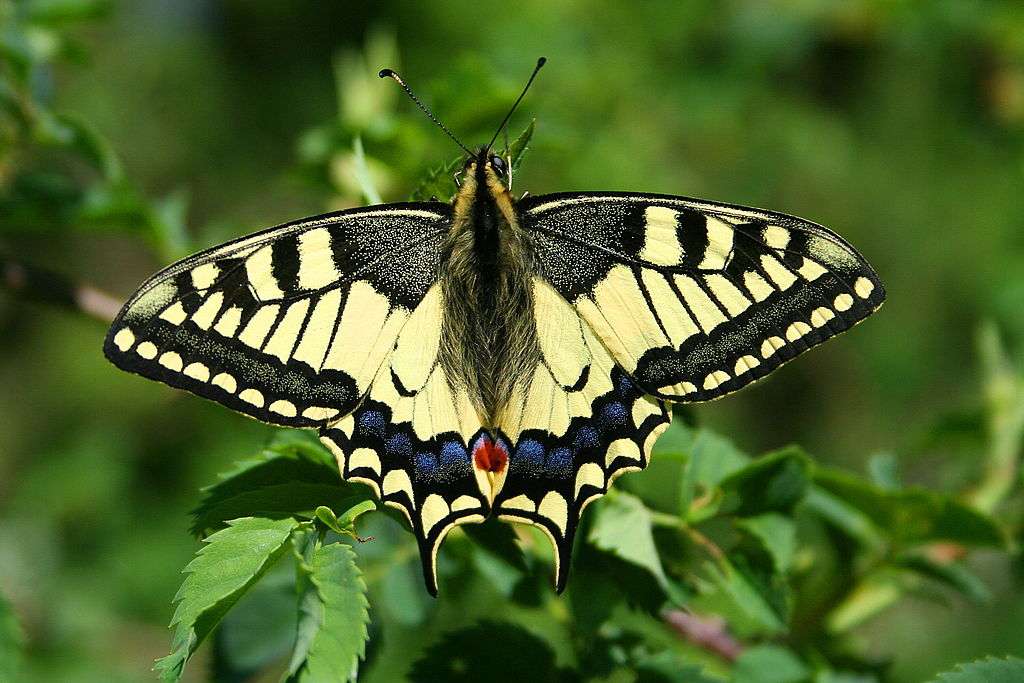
[(696, 299), (288, 325)]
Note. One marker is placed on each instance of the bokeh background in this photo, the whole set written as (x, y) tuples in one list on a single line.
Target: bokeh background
[(898, 124)]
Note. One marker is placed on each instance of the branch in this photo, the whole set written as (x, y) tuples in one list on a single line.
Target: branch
[(708, 633), (46, 286)]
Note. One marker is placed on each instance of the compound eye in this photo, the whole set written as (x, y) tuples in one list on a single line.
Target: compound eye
[(499, 166)]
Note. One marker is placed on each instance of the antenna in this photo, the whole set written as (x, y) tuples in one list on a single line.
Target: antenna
[(540, 63), (389, 73)]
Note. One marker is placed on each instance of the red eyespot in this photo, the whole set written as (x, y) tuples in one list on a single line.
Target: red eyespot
[(489, 455)]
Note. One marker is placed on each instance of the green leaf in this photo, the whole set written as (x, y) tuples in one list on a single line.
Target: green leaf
[(623, 527), (438, 183), (842, 516), (913, 516), (730, 593), (776, 534), (490, 651), (260, 629), (772, 483), (952, 574), (883, 468), (362, 173), (668, 666), (712, 458), (293, 499), (287, 479), (345, 524), (517, 150), (12, 641), (228, 564), (342, 615), (769, 664), (989, 670), (498, 539), (876, 592)]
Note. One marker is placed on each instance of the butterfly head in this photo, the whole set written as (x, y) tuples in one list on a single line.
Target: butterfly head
[(486, 167)]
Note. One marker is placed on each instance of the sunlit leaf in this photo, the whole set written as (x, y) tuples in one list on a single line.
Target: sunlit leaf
[(342, 615), (229, 563), (622, 526), (777, 535)]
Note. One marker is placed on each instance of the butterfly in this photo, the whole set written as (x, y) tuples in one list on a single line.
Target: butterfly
[(494, 356)]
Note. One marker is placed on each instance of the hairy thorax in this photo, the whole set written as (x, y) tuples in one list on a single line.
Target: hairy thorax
[(489, 340)]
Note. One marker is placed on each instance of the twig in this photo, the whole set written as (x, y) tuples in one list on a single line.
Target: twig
[(708, 633), (46, 286)]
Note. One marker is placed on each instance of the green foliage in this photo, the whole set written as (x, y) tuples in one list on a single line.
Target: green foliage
[(232, 560), (989, 670), (11, 642)]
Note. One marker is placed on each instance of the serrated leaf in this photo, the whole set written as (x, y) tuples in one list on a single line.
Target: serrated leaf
[(229, 563), (517, 150), (438, 183), (913, 516), (260, 629), (772, 483), (769, 664), (12, 640), (342, 615), (287, 477), (490, 651), (989, 670), (622, 526), (292, 499), (776, 534)]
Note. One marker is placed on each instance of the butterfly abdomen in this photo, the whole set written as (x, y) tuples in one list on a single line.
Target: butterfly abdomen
[(489, 339)]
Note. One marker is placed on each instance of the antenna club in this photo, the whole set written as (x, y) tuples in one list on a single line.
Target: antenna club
[(390, 73), (541, 62)]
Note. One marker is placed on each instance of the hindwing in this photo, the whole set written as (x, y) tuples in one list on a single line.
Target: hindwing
[(579, 423), (693, 299), (409, 440), (288, 325)]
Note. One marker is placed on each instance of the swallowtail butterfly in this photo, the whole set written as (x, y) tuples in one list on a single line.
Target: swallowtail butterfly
[(494, 356)]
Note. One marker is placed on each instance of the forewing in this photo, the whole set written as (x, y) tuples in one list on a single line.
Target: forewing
[(409, 439), (695, 299), (579, 423), (288, 325)]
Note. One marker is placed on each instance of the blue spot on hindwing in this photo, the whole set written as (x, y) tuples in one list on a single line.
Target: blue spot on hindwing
[(372, 421), (612, 417)]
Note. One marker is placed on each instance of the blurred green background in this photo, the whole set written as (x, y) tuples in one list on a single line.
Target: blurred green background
[(898, 124)]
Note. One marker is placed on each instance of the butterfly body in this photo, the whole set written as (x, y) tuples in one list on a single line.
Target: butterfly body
[(493, 356), (488, 341)]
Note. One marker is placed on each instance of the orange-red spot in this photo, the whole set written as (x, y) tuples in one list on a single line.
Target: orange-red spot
[(490, 456)]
